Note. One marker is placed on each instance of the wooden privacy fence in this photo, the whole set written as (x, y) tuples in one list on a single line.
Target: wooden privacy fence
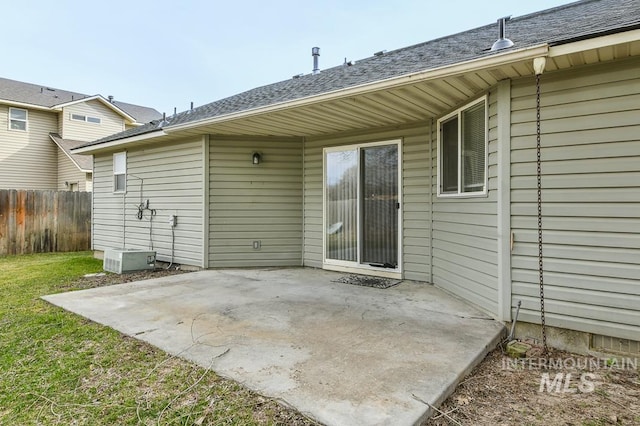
[(44, 221)]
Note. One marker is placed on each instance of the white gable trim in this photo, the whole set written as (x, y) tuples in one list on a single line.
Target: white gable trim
[(101, 99)]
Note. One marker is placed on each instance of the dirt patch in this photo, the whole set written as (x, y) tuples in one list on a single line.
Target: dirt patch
[(563, 389), (108, 278)]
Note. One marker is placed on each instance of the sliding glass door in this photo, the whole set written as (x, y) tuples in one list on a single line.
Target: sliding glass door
[(361, 205)]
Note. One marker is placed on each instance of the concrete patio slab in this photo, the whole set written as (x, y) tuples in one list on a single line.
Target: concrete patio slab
[(340, 353)]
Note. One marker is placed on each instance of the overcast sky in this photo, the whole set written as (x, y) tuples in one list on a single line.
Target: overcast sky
[(166, 54)]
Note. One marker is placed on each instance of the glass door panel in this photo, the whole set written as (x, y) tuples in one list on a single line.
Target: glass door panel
[(379, 183), (341, 208)]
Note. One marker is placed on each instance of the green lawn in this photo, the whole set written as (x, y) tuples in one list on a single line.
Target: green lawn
[(58, 368)]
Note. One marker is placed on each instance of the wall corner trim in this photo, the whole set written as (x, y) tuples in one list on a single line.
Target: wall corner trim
[(205, 201), (504, 200)]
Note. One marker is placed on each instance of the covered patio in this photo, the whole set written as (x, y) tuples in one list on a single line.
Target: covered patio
[(340, 353)]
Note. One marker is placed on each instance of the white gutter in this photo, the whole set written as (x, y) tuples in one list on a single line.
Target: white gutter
[(594, 43), (112, 144), (25, 105), (446, 71)]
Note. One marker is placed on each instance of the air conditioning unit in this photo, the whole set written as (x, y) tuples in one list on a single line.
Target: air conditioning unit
[(119, 260)]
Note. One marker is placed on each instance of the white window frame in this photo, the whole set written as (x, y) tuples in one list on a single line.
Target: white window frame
[(85, 118), (25, 121), (356, 266), (458, 113), (118, 170)]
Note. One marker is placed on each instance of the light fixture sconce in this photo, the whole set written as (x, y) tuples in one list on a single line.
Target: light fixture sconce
[(255, 158)]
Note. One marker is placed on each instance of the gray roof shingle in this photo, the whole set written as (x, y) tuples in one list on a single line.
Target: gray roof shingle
[(85, 162), (36, 94), (142, 114), (44, 96), (582, 19)]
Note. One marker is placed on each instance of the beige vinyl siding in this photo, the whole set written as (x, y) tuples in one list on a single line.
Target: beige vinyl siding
[(172, 182), (415, 196), (69, 172), (465, 242), (255, 202), (111, 122), (28, 160), (591, 199)]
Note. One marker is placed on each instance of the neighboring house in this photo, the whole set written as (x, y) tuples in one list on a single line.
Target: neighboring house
[(39, 125), (418, 163)]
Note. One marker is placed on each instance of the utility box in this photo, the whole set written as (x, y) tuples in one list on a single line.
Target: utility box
[(120, 260)]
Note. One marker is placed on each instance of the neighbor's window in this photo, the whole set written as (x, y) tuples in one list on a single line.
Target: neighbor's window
[(462, 151), (120, 172), (86, 118), (18, 119)]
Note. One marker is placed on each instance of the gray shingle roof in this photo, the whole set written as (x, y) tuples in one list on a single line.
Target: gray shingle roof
[(85, 162), (142, 114), (45, 96), (36, 94), (583, 19)]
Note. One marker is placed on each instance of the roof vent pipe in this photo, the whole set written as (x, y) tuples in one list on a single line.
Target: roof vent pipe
[(502, 42), (111, 98), (315, 52)]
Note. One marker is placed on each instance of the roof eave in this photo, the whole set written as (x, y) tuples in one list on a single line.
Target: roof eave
[(582, 44), (92, 149), (431, 74), (25, 105)]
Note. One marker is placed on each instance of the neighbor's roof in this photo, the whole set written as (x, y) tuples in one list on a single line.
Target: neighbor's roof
[(560, 25), (83, 162), (48, 97), (142, 114)]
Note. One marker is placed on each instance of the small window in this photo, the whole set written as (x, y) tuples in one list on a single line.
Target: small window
[(462, 151), (85, 118), (18, 119), (120, 172)]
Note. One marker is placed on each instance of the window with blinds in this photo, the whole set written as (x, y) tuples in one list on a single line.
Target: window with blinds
[(120, 172), (462, 151)]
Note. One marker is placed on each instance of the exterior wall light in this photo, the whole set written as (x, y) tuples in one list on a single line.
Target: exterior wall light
[(256, 157)]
